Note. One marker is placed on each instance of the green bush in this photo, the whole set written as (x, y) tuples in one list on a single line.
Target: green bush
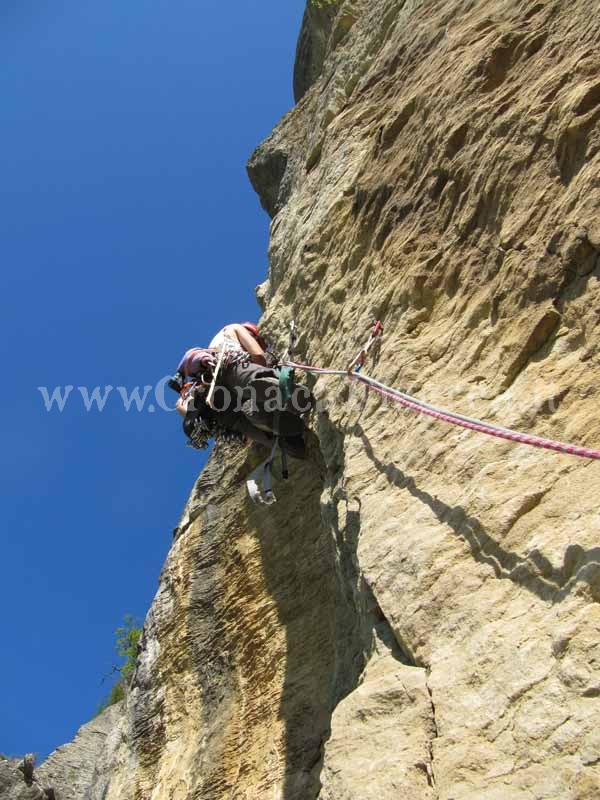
[(126, 646), (128, 637)]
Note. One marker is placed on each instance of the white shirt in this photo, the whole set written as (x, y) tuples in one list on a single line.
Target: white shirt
[(226, 336)]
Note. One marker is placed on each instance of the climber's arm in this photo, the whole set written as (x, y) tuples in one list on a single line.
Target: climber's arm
[(250, 345)]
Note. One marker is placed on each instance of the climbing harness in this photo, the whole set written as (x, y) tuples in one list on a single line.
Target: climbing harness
[(352, 373), (358, 362)]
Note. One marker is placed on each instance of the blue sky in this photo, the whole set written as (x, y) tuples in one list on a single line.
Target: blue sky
[(128, 232)]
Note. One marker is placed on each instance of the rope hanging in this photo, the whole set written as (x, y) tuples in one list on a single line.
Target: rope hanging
[(451, 417)]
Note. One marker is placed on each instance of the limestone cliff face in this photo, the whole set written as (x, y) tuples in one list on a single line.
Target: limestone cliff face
[(419, 614)]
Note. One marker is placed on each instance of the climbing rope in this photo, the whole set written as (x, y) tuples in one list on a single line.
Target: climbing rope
[(451, 417)]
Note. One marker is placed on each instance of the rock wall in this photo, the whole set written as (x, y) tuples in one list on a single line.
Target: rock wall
[(71, 770), (419, 612), (75, 767), (313, 45), (443, 176)]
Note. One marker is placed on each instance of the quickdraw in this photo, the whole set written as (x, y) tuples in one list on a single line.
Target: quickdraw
[(358, 362), (202, 432)]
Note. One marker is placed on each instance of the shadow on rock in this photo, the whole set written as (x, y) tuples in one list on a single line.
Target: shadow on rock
[(329, 613), (533, 572)]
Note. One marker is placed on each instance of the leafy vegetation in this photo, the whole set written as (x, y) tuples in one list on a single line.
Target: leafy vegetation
[(126, 646), (128, 637)]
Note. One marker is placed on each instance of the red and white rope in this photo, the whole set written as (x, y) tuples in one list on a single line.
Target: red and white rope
[(452, 417)]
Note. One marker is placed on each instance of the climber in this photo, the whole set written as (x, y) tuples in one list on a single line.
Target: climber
[(227, 390), (251, 379)]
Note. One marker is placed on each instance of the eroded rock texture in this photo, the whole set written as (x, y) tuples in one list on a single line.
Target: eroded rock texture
[(419, 614)]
